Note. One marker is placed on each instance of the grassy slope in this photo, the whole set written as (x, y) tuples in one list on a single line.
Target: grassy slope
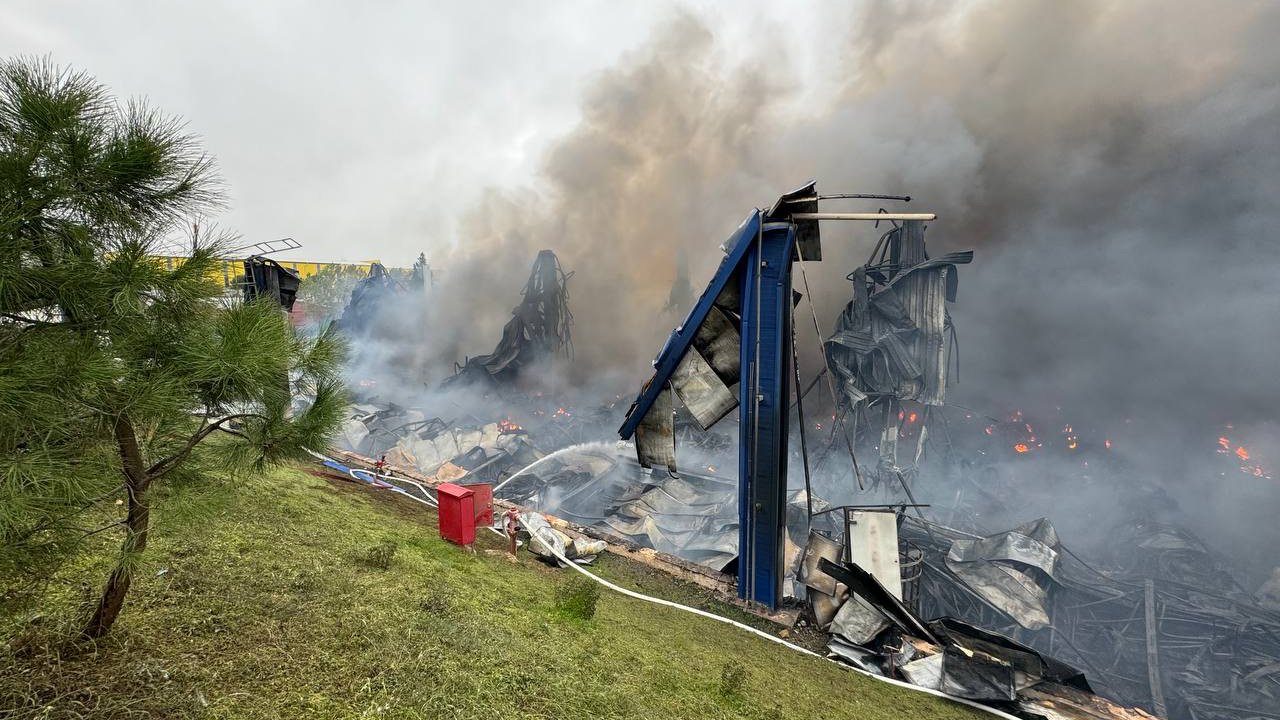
[(264, 609)]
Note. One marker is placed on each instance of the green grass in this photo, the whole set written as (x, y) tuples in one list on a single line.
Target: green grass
[(279, 596)]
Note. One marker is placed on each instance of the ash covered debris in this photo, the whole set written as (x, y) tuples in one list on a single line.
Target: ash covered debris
[(540, 327), (446, 449), (1022, 621), (693, 516)]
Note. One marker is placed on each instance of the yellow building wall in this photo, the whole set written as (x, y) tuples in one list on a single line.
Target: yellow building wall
[(229, 270)]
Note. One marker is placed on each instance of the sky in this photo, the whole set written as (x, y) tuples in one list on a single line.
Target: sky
[(362, 130)]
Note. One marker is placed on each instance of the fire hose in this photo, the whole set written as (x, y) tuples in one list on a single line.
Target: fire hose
[(760, 633), (377, 480)]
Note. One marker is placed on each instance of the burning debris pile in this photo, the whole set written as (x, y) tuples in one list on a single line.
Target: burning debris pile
[(539, 328), (1019, 621), (1014, 608), (483, 449)]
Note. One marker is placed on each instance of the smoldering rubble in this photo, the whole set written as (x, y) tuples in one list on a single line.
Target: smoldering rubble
[(1009, 617)]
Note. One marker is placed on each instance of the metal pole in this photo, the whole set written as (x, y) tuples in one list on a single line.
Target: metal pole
[(864, 216), (804, 445)]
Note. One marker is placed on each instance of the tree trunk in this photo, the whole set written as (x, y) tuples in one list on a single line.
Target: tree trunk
[(137, 523)]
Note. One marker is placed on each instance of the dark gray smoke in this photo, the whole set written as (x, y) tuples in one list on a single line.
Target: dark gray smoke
[(1115, 166)]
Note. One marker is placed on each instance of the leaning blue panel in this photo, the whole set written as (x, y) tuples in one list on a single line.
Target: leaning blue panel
[(678, 343)]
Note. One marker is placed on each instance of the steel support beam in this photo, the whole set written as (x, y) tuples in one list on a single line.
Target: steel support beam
[(764, 401)]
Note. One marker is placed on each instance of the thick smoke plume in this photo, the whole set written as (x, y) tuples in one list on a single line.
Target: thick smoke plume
[(1115, 165)]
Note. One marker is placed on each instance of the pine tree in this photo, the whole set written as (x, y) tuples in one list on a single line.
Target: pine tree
[(114, 369)]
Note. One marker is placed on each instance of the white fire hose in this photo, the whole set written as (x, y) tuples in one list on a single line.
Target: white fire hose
[(761, 633), (703, 613)]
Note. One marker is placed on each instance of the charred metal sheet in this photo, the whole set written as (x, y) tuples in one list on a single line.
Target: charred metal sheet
[(975, 677), (540, 326), (893, 337), (703, 393), (718, 342), (655, 435), (692, 516), (858, 622), (859, 657), (1011, 591), (1022, 658), (862, 583), (800, 200), (824, 607), (818, 548), (267, 278), (872, 538), (1030, 544), (998, 568), (925, 672)]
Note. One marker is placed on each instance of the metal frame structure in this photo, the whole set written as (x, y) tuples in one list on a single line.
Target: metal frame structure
[(758, 260)]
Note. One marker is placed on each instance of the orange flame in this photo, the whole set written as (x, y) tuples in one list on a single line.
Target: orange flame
[(1242, 453), (1021, 447)]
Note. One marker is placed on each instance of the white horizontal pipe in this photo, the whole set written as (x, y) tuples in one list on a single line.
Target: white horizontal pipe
[(864, 216)]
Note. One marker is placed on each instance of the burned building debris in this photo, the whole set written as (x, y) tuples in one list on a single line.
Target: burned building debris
[(540, 327), (485, 451), (1012, 619), (267, 278), (1028, 617), (693, 516), (894, 342), (369, 298)]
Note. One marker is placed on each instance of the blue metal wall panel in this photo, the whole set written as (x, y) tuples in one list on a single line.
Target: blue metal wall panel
[(763, 403)]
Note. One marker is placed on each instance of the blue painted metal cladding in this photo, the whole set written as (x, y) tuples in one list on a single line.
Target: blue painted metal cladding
[(764, 399), (739, 244)]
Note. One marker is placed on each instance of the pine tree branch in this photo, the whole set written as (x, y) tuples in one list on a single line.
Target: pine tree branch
[(160, 468), (51, 522)]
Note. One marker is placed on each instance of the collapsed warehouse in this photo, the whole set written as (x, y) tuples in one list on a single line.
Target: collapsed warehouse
[(1014, 619)]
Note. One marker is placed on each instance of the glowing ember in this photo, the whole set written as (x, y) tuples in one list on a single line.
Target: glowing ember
[(561, 412), (506, 427), (1224, 447), (990, 430), (1072, 444), (1021, 447), (911, 418)]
